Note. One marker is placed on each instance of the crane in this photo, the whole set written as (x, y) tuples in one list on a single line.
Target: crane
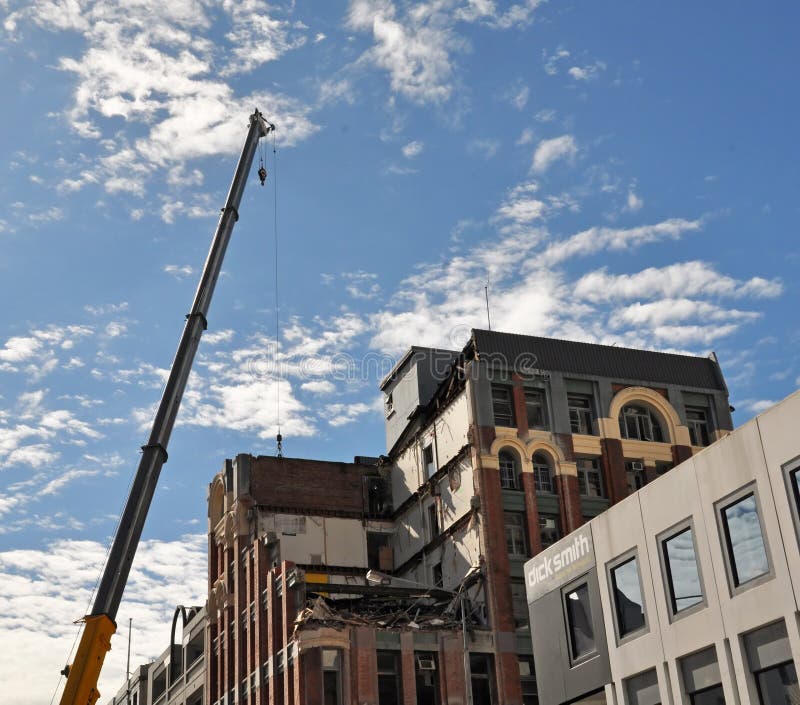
[(100, 625)]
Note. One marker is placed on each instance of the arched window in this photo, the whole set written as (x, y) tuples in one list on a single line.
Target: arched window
[(542, 473), (509, 470), (637, 422)]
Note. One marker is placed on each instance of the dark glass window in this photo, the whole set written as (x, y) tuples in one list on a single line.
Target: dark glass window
[(503, 406), (509, 471), (550, 529), (542, 473), (536, 408), (580, 413), (747, 553), (778, 685), (709, 696), (590, 480), (697, 421), (640, 424), (427, 459), (634, 473), (627, 593), (331, 677), (433, 520), (389, 678), (579, 622), (427, 678), (482, 673), (515, 534), (683, 576), (527, 676)]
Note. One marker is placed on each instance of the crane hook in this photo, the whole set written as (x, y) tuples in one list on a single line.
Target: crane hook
[(262, 174)]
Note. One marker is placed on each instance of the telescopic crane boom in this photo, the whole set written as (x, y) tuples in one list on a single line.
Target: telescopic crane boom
[(100, 624)]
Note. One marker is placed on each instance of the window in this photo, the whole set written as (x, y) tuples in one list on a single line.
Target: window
[(503, 406), (697, 421), (427, 678), (679, 557), (634, 472), (744, 541), (769, 657), (792, 475), (433, 520), (638, 423), (701, 678), (389, 680), (550, 529), (481, 668), (519, 601), (579, 622), (515, 534), (580, 413), (590, 480), (427, 460), (536, 408), (436, 574), (643, 689), (542, 473), (331, 677), (509, 471), (778, 684), (626, 591), (527, 676)]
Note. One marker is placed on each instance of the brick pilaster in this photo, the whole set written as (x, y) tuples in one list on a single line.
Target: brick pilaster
[(681, 453), (613, 463), (497, 566), (312, 676), (408, 668), (364, 665), (569, 502), (451, 658), (532, 513)]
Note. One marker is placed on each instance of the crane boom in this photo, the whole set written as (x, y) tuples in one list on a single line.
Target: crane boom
[(100, 625)]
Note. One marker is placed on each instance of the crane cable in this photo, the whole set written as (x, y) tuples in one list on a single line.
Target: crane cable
[(279, 438)]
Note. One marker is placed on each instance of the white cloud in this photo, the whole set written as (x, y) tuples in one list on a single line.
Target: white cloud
[(179, 271), (217, 337), (345, 413), (694, 278), (413, 149), (634, 202), (318, 386), (553, 150), (587, 73), (598, 238), (361, 284), (413, 49), (526, 137), (46, 590), (552, 61)]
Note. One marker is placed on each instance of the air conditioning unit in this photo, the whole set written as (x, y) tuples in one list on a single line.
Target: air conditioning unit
[(426, 663), (637, 466)]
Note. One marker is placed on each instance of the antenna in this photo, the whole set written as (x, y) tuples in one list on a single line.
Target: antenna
[(486, 292), (128, 667)]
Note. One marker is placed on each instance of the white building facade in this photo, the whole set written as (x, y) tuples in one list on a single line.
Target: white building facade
[(687, 591)]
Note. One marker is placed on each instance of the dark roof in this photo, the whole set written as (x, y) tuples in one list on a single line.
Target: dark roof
[(627, 364)]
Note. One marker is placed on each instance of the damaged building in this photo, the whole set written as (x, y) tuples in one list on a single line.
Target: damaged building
[(399, 579)]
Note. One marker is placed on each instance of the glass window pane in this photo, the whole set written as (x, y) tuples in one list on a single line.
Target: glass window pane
[(778, 685), (579, 618), (746, 549), (710, 696), (627, 597), (682, 573)]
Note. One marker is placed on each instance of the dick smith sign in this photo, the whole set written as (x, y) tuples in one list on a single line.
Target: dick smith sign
[(560, 563)]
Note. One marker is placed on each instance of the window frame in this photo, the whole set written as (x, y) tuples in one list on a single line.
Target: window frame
[(515, 483), (691, 424), (541, 394), (537, 483), (544, 516), (522, 533), (580, 412), (611, 566), (653, 421), (506, 389), (720, 506), (666, 571), (594, 469), (574, 586), (789, 469)]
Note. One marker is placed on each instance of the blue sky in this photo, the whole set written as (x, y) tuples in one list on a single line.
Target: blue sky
[(621, 172)]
